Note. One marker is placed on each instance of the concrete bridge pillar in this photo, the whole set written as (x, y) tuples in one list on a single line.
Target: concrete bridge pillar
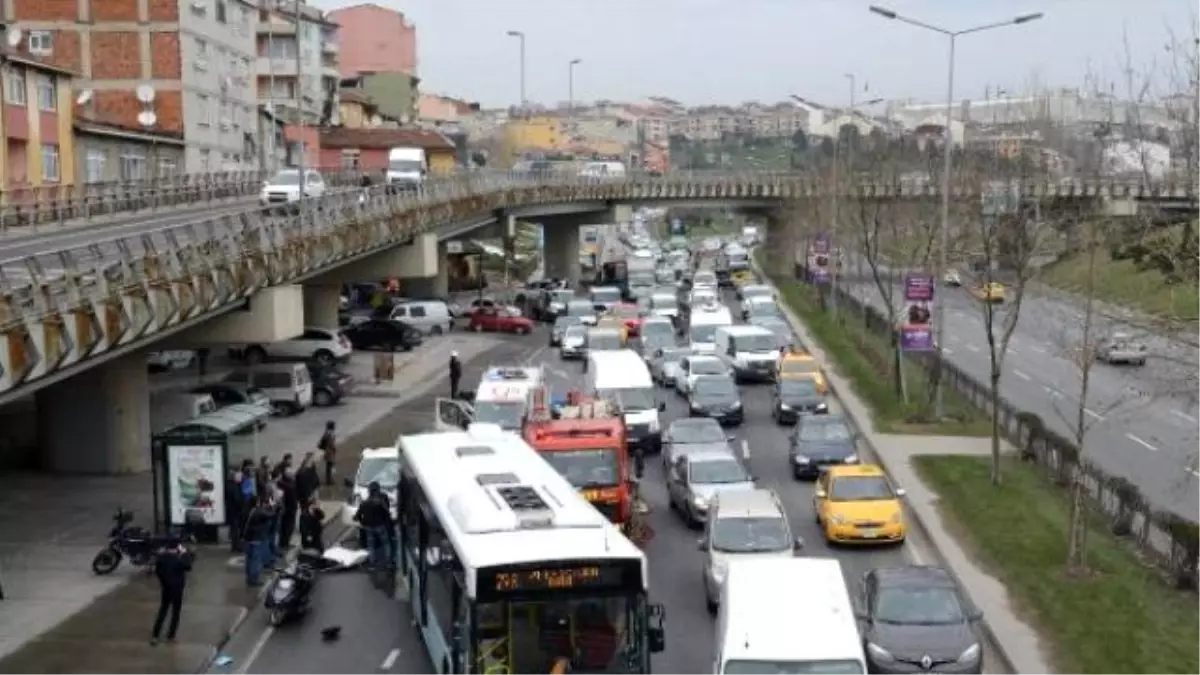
[(97, 422), (321, 303), (561, 254)]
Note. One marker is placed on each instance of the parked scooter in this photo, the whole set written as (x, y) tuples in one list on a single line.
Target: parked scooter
[(136, 543), (290, 593)]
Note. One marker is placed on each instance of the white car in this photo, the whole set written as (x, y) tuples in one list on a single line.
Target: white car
[(952, 278), (283, 189), (379, 465), (696, 365), (172, 359), (325, 346)]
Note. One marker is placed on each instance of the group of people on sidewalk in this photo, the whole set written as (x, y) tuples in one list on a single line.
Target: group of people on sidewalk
[(265, 503)]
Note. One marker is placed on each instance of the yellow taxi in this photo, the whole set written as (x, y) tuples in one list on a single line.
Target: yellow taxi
[(856, 504), (990, 292), (742, 277), (802, 364), (616, 323)]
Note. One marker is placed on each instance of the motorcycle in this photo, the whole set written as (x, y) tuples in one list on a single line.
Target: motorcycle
[(136, 543), (290, 593)]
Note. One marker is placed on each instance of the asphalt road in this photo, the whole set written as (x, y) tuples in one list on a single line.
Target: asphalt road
[(378, 635), (1142, 422)]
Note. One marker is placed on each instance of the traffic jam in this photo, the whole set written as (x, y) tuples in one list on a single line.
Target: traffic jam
[(664, 365)]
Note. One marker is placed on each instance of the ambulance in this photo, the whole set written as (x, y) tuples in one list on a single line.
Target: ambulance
[(503, 398)]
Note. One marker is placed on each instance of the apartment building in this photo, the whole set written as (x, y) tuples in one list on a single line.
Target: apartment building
[(197, 56), (36, 126), (297, 65), (375, 39)]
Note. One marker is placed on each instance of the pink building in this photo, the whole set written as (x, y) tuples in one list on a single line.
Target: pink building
[(374, 39)]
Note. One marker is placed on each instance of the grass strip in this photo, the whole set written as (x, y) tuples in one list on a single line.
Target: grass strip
[(1119, 618), (865, 359)]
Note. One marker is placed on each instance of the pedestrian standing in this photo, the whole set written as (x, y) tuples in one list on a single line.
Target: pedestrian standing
[(312, 522), (282, 467), (235, 512), (455, 374), (254, 543), (328, 447), (308, 481), (275, 519), (262, 476), (171, 567), (374, 518), (290, 509)]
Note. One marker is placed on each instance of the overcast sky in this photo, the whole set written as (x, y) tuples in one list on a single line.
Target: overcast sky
[(729, 51)]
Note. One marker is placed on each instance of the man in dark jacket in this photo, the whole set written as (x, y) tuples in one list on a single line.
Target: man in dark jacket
[(375, 517), (290, 508), (255, 543), (308, 481), (312, 521), (171, 568), (455, 374), (328, 447), (235, 512)]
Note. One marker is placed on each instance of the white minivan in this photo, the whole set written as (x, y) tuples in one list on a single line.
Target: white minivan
[(820, 634), (431, 317), (406, 166), (751, 352), (623, 376), (702, 327)]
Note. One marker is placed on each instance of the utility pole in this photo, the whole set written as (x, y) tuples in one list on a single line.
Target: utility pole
[(299, 98), (571, 92), (521, 36)]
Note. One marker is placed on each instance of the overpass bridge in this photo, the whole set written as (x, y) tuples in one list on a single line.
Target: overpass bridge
[(76, 318)]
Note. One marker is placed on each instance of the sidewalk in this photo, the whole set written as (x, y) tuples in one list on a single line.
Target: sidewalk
[(52, 525), (1018, 643)]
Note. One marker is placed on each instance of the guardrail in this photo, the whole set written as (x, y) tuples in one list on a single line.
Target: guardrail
[(1165, 538), (59, 204), (63, 307)]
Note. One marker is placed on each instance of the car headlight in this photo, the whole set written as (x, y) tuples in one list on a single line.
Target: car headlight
[(737, 405), (878, 652), (785, 407), (969, 655), (837, 519), (821, 407), (654, 426), (850, 459), (895, 519), (700, 503), (800, 459), (718, 572)]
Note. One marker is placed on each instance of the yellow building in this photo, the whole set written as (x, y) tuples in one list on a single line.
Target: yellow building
[(536, 134), (37, 129)]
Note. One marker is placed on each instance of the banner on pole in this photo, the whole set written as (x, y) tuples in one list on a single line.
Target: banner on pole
[(916, 329)]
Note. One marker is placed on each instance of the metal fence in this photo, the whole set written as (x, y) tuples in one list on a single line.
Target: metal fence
[(1163, 537)]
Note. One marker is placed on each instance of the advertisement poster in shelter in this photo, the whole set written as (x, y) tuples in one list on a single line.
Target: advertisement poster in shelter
[(916, 328), (818, 259), (196, 482)]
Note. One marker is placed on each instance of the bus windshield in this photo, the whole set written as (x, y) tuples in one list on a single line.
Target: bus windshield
[(596, 631), (587, 467)]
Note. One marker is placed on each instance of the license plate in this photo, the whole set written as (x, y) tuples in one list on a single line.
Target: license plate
[(871, 533)]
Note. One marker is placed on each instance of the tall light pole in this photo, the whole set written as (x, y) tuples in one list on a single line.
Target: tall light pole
[(521, 36), (571, 88), (854, 105), (948, 140)]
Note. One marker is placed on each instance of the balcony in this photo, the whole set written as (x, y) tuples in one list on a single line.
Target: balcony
[(276, 27), (279, 66), (329, 46)]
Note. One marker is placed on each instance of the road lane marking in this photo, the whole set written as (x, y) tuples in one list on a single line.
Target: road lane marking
[(1021, 375), (1040, 350), (1054, 393), (255, 651), (947, 351), (973, 348), (390, 659), (1140, 442), (1184, 415), (1088, 411)]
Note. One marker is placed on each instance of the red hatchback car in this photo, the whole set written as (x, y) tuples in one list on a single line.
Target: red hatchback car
[(499, 320)]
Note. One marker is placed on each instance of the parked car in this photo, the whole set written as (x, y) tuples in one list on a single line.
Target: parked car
[(286, 385), (499, 320), (246, 397), (173, 359), (330, 384), (323, 345), (383, 335), (431, 317)]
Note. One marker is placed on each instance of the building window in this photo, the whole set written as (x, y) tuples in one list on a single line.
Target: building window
[(201, 62), (221, 12), (41, 42), (94, 166), (47, 94), (205, 111), (205, 156), (14, 86), (50, 169), (166, 167), (133, 164), (350, 159)]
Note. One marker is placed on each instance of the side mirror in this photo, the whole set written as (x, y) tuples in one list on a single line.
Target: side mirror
[(662, 406), (820, 494), (900, 492), (798, 544), (348, 482), (975, 615), (700, 544)]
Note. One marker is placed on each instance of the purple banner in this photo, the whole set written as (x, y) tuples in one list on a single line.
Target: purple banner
[(916, 338), (820, 275), (918, 288)]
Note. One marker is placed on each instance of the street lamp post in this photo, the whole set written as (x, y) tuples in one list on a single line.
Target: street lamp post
[(944, 227), (521, 36), (571, 93)]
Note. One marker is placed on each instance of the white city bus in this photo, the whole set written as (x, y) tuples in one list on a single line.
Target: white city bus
[(510, 569)]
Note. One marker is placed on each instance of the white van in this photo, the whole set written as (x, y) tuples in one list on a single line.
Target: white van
[(820, 634), (503, 398), (431, 317), (406, 166), (168, 409), (703, 325), (603, 170), (288, 385), (622, 375), (751, 352), (375, 465)]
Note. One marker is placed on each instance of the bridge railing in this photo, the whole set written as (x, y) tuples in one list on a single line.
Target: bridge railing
[(61, 307), (32, 206)]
